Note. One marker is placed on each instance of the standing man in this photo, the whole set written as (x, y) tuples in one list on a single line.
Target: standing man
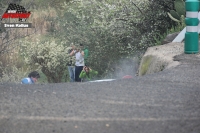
[(70, 65), (86, 53), (79, 54)]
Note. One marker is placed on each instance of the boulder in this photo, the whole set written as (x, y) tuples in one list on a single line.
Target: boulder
[(159, 58), (169, 38)]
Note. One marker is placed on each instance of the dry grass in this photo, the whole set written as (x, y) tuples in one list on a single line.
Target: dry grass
[(39, 19)]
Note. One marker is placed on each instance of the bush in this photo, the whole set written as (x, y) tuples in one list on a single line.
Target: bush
[(155, 23), (50, 57)]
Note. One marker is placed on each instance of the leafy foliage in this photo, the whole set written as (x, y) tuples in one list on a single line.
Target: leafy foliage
[(155, 22), (103, 26), (180, 10), (42, 4), (111, 29), (48, 56)]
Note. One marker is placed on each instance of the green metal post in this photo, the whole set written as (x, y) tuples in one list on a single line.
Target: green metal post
[(191, 36)]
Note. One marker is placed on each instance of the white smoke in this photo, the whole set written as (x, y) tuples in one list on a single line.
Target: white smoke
[(126, 66)]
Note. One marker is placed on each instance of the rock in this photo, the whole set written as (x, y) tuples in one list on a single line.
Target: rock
[(158, 58), (169, 38)]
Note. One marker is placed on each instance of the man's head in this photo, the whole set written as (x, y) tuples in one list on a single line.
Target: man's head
[(34, 76), (81, 46), (86, 69), (72, 45)]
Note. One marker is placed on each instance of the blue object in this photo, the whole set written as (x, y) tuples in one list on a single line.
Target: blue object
[(27, 81)]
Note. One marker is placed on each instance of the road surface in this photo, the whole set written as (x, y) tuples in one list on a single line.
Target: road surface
[(165, 102)]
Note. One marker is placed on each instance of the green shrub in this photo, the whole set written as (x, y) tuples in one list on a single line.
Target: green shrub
[(49, 56)]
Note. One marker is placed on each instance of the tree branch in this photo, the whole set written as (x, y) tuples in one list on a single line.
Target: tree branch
[(137, 7)]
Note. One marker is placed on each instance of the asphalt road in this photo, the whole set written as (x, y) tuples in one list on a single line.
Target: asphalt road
[(165, 102)]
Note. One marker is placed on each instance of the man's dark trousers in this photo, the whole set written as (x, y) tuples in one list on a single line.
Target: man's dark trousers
[(78, 70)]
